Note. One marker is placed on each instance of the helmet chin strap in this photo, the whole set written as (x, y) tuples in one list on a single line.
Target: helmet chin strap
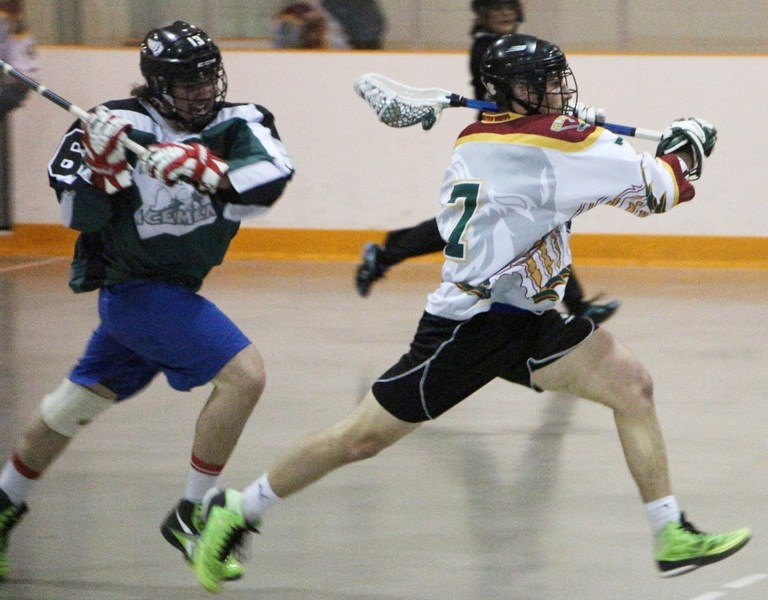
[(169, 111), (534, 109), (530, 108)]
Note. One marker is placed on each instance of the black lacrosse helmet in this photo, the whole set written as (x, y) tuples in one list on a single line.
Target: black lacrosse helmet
[(181, 57), (517, 58)]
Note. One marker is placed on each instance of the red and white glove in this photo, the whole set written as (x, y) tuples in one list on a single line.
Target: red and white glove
[(173, 162), (105, 151)]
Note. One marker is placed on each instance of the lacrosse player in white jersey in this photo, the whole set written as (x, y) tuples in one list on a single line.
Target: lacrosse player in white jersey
[(150, 232), (516, 179)]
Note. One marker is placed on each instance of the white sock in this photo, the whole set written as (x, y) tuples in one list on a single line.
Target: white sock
[(14, 484), (662, 511), (257, 498), (197, 484)]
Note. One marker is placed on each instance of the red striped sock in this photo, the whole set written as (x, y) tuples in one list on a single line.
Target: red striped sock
[(22, 468), (205, 467), (202, 476)]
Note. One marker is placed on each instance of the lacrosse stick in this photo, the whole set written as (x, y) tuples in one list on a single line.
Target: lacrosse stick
[(400, 105), (81, 114)]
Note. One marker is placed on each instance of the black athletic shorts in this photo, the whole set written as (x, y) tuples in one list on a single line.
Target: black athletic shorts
[(449, 360)]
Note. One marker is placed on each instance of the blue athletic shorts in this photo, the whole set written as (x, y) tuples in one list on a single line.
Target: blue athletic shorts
[(148, 327)]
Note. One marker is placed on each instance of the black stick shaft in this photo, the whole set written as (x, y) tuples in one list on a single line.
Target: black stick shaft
[(42, 90), (134, 147)]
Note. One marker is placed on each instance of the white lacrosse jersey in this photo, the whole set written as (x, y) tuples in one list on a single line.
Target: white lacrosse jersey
[(512, 187)]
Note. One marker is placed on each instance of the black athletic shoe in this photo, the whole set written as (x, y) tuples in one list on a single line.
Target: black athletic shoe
[(369, 270), (10, 514), (597, 312), (181, 529)]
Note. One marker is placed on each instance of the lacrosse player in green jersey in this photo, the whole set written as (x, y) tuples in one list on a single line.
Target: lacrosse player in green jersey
[(150, 232)]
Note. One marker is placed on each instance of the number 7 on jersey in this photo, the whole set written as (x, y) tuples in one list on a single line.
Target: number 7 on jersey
[(464, 193)]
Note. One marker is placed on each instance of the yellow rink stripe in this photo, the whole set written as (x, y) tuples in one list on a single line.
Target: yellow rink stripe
[(341, 245)]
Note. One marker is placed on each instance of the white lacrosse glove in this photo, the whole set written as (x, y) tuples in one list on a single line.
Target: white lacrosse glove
[(590, 114), (103, 137), (194, 163), (691, 133)]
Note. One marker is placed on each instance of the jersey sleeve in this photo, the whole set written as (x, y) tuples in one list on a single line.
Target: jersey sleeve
[(609, 171), (82, 206), (259, 165)]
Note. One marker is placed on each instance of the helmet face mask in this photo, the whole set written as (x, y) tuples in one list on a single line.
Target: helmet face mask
[(184, 74), (528, 75), (193, 104)]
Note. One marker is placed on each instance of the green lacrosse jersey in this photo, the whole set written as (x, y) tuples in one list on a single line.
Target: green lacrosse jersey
[(153, 231)]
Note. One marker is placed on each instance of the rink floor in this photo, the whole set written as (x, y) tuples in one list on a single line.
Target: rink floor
[(512, 495)]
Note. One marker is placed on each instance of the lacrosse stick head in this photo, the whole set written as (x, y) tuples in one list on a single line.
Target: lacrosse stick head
[(399, 105)]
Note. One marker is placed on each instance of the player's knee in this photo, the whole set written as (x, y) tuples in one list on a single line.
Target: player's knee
[(637, 388), (70, 407), (252, 385), (363, 451), (245, 376), (365, 446)]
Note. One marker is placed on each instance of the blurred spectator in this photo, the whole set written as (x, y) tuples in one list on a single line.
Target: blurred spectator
[(492, 19), (306, 25), (363, 21), (17, 47)]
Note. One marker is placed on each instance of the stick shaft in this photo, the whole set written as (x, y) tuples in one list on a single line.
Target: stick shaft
[(43, 91), (638, 132), (134, 147)]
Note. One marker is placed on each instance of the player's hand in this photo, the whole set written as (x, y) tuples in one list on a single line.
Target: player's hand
[(590, 114), (173, 162), (105, 156), (691, 134)]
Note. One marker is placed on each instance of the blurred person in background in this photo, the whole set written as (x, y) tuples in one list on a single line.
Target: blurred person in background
[(306, 25), (17, 47), (493, 18), (363, 21)]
